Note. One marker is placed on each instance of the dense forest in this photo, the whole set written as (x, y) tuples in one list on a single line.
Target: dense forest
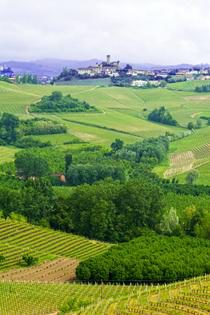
[(150, 258), (57, 102)]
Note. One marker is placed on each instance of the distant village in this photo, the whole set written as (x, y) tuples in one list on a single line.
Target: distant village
[(118, 75), (141, 77)]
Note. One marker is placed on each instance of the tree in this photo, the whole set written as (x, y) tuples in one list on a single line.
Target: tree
[(2, 259), (8, 128), (198, 124), (190, 126), (68, 161), (56, 96), (192, 177), (170, 223), (117, 145), (28, 164), (29, 260), (162, 115)]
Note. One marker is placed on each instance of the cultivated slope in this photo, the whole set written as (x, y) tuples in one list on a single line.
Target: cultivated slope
[(18, 238), (185, 298)]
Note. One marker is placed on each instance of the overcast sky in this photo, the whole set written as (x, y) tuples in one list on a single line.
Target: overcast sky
[(143, 31)]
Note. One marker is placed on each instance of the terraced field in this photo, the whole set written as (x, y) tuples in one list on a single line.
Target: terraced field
[(18, 238), (185, 298), (188, 297), (58, 270), (192, 152)]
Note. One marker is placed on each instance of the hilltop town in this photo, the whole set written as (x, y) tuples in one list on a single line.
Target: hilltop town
[(111, 72)]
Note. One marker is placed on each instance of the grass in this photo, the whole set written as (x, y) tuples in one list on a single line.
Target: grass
[(188, 85), (101, 82), (7, 154), (57, 139)]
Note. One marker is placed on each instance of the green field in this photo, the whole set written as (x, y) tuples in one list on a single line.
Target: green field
[(122, 115), (188, 85), (7, 154)]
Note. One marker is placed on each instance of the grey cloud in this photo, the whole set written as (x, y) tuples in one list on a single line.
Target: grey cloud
[(156, 31)]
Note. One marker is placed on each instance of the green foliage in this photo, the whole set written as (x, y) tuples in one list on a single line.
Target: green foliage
[(115, 212), (202, 89), (29, 260), (117, 145), (190, 125), (150, 258), (149, 151), (27, 78), (163, 116), (2, 259), (196, 125), (170, 223), (29, 142), (192, 177), (56, 102), (73, 305), (28, 164), (90, 173), (68, 161), (8, 128), (42, 126)]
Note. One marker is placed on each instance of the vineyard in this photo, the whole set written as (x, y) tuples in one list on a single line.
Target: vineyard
[(186, 161), (59, 270), (18, 238), (187, 297)]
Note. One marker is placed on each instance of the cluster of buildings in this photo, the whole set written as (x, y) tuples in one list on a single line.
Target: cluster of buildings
[(105, 68), (6, 72), (141, 77)]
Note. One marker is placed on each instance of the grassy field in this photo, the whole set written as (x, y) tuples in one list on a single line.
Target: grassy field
[(188, 85), (188, 297), (7, 154), (123, 113)]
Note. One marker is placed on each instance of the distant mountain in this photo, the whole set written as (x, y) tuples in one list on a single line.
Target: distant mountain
[(52, 67), (49, 67)]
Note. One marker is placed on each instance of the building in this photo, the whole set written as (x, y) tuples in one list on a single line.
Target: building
[(142, 83), (105, 68), (6, 71)]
